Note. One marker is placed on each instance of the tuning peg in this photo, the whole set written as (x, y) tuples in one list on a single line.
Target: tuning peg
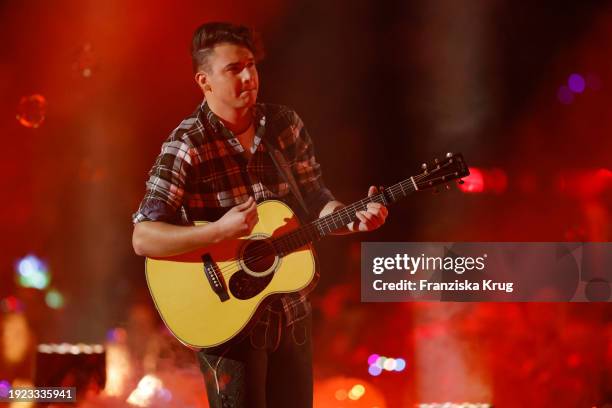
[(449, 155), (424, 166), (436, 160), (448, 187)]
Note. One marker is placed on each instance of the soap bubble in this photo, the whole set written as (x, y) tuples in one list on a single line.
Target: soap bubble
[(31, 110)]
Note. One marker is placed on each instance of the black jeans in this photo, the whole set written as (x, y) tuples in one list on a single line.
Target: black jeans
[(271, 367)]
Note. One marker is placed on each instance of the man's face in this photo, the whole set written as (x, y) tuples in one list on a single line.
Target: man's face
[(232, 76)]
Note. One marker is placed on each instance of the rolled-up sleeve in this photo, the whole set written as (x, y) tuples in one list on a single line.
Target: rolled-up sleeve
[(165, 188), (307, 170)]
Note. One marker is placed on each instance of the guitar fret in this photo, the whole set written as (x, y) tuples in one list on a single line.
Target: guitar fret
[(331, 222), (336, 226), (320, 229), (296, 239), (346, 218), (329, 228)]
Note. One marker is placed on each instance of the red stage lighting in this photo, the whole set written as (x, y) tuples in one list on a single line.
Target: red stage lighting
[(485, 180)]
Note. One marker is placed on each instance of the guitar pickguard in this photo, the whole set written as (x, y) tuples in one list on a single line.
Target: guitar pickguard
[(244, 286)]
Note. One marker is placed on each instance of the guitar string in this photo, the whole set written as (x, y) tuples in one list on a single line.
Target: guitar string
[(326, 222), (294, 235), (301, 230)]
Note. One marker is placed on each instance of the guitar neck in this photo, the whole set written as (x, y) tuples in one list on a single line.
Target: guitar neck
[(323, 226), (452, 167)]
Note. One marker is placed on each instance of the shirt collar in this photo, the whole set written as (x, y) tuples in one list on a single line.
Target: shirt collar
[(212, 121)]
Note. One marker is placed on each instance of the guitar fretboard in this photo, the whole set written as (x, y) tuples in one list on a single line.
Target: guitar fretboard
[(323, 226)]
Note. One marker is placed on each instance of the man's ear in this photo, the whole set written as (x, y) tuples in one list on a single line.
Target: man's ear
[(202, 80)]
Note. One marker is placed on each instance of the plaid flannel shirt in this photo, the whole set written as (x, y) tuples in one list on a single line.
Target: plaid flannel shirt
[(202, 172)]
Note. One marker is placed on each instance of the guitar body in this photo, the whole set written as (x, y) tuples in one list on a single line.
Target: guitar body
[(211, 296)]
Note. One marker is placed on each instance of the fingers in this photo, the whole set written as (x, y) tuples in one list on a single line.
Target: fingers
[(373, 218), (362, 219), (251, 208), (378, 209), (376, 213), (368, 221), (249, 202), (251, 216), (369, 217), (247, 216)]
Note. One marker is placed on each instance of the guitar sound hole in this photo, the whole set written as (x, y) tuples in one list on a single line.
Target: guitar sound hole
[(259, 256)]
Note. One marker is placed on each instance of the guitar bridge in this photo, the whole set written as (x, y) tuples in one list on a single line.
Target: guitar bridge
[(215, 278)]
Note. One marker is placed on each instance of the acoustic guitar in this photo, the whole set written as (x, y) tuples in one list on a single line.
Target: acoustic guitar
[(212, 296)]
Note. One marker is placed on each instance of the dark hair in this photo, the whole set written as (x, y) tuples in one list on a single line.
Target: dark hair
[(208, 35)]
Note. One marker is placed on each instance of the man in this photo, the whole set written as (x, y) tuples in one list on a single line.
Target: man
[(215, 166)]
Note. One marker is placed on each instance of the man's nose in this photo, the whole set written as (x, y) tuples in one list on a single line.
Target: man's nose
[(246, 75)]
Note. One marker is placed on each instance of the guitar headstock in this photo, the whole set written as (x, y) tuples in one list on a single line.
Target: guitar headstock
[(452, 167)]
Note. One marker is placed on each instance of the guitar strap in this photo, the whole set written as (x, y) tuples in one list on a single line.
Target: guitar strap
[(285, 172)]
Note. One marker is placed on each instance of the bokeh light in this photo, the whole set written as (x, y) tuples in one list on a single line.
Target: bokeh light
[(565, 95), (118, 369), (85, 61), (11, 304), (336, 392), (374, 370), (400, 364), (356, 392), (149, 391), (31, 110), (372, 359), (32, 273), (474, 183), (116, 335), (16, 338), (491, 180), (389, 364), (54, 299), (378, 363), (5, 386), (64, 348), (576, 83)]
